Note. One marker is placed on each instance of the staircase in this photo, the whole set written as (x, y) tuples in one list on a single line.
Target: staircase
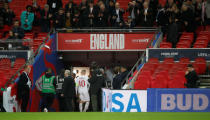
[(204, 81)]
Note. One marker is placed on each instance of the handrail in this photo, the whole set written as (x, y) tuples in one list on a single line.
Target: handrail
[(109, 29), (135, 67), (11, 80)]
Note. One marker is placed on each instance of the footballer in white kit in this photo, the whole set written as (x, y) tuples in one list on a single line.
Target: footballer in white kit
[(82, 88)]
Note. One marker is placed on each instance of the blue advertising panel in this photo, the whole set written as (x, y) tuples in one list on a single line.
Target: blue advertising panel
[(190, 53), (10, 54), (178, 100)]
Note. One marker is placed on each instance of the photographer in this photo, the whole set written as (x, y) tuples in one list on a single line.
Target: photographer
[(27, 18)]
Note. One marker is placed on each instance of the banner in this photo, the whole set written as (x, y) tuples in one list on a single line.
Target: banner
[(102, 42), (178, 100), (107, 100), (190, 53), (9, 101), (10, 54), (124, 100)]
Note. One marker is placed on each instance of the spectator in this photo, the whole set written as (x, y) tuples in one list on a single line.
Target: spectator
[(82, 7), (27, 18), (8, 15), (46, 17), (162, 19), (111, 7), (96, 81), (207, 11), (76, 20), (13, 42), (129, 24), (134, 11), (191, 77), (48, 90), (102, 17), (54, 5), (23, 88), (70, 7), (91, 13), (117, 16), (187, 17), (169, 4), (146, 16), (17, 30), (36, 10), (59, 19), (68, 20), (174, 25), (59, 90), (68, 91), (1, 15)]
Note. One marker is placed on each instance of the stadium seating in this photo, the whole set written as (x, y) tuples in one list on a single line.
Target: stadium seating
[(168, 73)]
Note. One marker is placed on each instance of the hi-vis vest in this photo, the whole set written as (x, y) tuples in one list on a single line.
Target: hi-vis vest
[(47, 84)]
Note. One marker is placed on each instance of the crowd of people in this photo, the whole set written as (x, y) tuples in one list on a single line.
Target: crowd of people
[(75, 93), (108, 13), (174, 17)]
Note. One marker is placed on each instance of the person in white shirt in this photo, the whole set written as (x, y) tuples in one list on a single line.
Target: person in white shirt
[(82, 89)]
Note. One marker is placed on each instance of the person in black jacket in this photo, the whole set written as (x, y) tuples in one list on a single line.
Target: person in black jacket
[(54, 5), (8, 15), (117, 16), (146, 16), (59, 90), (117, 82), (23, 88), (68, 90), (70, 7), (90, 15), (96, 81), (17, 30), (191, 77), (46, 16), (59, 21)]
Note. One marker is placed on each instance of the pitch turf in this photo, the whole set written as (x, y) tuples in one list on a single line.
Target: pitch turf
[(105, 116)]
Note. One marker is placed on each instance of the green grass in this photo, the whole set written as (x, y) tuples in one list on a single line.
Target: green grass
[(105, 116)]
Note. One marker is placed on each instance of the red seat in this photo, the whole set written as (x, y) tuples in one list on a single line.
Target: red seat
[(165, 45), (176, 84), (160, 81), (142, 82)]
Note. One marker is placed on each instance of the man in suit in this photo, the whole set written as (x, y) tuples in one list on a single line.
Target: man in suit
[(23, 88), (146, 16), (54, 5), (117, 16), (90, 15), (68, 91), (46, 16), (191, 77)]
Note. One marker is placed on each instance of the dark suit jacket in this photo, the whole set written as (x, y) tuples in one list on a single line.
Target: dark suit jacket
[(59, 4), (22, 87), (69, 87), (87, 20), (121, 12), (149, 17), (192, 78)]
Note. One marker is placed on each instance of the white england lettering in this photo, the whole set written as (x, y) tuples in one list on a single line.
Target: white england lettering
[(106, 42)]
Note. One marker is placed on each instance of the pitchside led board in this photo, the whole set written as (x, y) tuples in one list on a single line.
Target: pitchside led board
[(124, 100), (103, 42), (156, 100)]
